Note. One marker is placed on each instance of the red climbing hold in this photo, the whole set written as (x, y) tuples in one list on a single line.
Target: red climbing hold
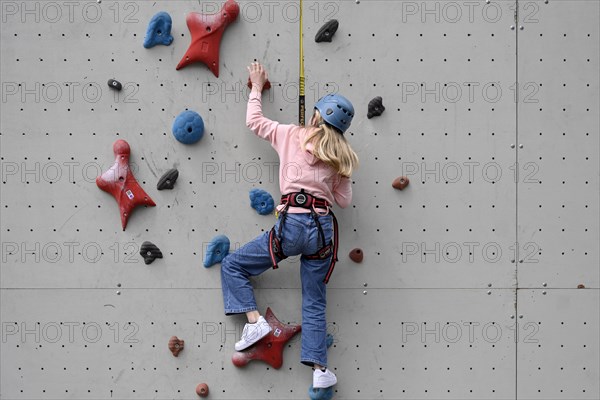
[(270, 348), (581, 286), (202, 390), (400, 182), (175, 345), (207, 31), (356, 255), (121, 184)]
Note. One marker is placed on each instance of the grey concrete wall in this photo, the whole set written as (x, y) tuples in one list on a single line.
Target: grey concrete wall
[(468, 289)]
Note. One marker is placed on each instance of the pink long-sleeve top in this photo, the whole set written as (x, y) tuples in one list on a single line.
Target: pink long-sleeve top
[(298, 169)]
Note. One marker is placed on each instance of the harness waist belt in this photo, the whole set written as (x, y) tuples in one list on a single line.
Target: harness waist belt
[(306, 200)]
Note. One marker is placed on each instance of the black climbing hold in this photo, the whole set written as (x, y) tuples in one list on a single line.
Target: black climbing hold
[(115, 84), (325, 34), (376, 107), (150, 252), (167, 181)]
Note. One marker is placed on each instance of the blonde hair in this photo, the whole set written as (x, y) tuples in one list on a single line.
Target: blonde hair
[(331, 147)]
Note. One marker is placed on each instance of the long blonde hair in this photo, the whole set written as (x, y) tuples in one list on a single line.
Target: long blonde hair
[(331, 147)]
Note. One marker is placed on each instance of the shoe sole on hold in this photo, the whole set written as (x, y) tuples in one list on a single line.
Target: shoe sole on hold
[(239, 346)]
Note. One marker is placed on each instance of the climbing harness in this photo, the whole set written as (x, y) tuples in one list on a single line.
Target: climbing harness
[(308, 201)]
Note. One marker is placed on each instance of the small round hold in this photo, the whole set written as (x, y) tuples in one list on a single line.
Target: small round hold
[(118, 285), (356, 255), (365, 284), (544, 284), (512, 317), (357, 1), (118, 292), (400, 182), (364, 292), (489, 292), (520, 315), (489, 285), (115, 84), (202, 390), (98, 1), (581, 286), (544, 292)]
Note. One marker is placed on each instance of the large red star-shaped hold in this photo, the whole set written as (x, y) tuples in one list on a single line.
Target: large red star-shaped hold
[(270, 348), (120, 182), (207, 31)]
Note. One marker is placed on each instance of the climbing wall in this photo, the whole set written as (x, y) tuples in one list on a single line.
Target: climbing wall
[(480, 280)]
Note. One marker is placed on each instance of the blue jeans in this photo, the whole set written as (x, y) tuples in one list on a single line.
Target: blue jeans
[(300, 235)]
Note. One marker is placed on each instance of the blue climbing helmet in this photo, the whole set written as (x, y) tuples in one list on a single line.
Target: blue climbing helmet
[(336, 110)]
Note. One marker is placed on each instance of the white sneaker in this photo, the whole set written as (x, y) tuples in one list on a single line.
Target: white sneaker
[(252, 333), (323, 379)]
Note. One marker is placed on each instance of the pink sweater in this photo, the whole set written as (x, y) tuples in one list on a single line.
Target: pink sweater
[(297, 169)]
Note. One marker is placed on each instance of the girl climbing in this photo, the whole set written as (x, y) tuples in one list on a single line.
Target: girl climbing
[(316, 163)]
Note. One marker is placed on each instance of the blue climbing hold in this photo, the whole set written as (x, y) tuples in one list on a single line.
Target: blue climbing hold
[(216, 250), (329, 340), (159, 30), (188, 127), (320, 393), (262, 201)]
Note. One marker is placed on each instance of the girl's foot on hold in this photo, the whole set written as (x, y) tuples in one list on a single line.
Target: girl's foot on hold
[(323, 379), (252, 333)]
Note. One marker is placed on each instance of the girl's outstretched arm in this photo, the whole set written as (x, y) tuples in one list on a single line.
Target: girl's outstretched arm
[(255, 120)]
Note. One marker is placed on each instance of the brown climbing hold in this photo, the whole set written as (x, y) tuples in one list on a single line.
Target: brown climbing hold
[(175, 345), (581, 286), (202, 390), (400, 182), (356, 255)]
